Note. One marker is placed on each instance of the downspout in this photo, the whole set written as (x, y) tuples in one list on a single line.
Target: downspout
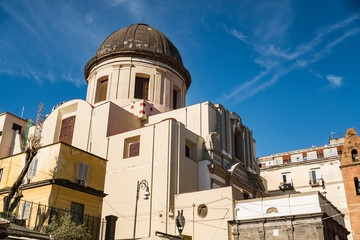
[(107, 148), (168, 178), (152, 179), (89, 133), (178, 162)]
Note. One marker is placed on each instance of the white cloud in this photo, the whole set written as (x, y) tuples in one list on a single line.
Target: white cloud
[(335, 81), (238, 35), (278, 61)]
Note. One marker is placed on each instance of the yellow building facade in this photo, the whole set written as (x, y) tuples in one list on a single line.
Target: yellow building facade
[(60, 178)]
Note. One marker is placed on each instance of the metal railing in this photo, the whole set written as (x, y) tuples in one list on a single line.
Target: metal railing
[(35, 216)]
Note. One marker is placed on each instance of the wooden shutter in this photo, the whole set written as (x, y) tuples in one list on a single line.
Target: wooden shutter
[(82, 174), (67, 130), (103, 90), (80, 170), (25, 212), (85, 173), (33, 168), (134, 149), (141, 88)]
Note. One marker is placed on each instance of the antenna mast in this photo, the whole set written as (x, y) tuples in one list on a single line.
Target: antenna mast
[(39, 121)]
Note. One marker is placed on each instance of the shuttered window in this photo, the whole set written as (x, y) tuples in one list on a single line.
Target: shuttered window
[(103, 90), (25, 211), (67, 130), (82, 174), (33, 168), (77, 213), (141, 88)]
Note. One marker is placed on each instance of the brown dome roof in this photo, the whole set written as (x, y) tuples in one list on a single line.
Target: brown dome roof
[(140, 40)]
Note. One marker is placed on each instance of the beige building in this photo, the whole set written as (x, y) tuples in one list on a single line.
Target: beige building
[(12, 134), (306, 170), (135, 117)]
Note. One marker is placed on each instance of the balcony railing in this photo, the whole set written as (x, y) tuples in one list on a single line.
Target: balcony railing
[(286, 186)]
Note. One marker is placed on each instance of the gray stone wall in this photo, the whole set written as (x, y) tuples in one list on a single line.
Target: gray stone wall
[(319, 227)]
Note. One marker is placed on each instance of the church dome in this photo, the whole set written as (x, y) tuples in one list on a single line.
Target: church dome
[(140, 40)]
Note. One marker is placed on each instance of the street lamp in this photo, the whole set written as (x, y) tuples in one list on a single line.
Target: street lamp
[(180, 222), (145, 186)]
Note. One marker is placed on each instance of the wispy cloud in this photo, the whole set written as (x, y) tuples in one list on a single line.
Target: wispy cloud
[(238, 35), (278, 61), (59, 34), (335, 81)]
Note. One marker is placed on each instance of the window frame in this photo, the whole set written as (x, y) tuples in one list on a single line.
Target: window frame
[(141, 88), (75, 218), (82, 173), (128, 143)]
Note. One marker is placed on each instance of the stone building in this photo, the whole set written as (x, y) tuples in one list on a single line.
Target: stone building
[(294, 216), (306, 170), (350, 167)]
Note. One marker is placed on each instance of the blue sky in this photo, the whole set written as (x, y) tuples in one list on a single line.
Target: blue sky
[(290, 69)]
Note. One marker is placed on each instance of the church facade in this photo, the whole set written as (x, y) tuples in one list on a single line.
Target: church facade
[(135, 117)]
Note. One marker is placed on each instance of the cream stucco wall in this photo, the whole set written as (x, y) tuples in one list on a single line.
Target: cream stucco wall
[(121, 73), (330, 171), (8, 138)]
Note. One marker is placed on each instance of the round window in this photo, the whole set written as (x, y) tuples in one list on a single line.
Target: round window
[(202, 210)]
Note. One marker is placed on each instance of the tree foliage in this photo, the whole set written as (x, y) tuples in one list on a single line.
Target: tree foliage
[(64, 229)]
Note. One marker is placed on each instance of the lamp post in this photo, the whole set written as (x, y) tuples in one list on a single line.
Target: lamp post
[(145, 186)]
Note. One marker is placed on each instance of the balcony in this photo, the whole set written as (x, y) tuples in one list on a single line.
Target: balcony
[(286, 186), (317, 182)]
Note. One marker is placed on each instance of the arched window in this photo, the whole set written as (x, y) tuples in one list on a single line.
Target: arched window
[(356, 183), (354, 155)]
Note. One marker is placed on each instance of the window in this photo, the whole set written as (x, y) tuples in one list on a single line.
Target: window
[(354, 155), (82, 174), (16, 127), (141, 88), (77, 213), (25, 211), (132, 147), (315, 177), (202, 210), (33, 168), (103, 90), (286, 177), (175, 93), (190, 149), (285, 181), (187, 151), (67, 130), (357, 187), (1, 173)]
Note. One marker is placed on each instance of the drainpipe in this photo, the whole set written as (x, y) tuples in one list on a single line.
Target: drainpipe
[(168, 178), (152, 179), (178, 162)]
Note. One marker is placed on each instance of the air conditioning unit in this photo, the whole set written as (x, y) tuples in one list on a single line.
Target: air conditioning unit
[(82, 182), (78, 181)]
